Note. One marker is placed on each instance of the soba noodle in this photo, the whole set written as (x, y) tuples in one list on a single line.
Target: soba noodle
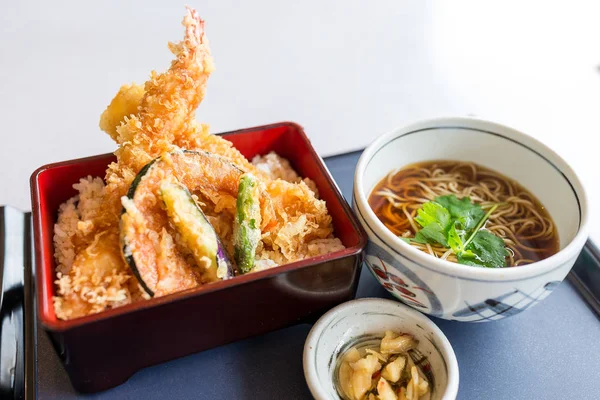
[(520, 220)]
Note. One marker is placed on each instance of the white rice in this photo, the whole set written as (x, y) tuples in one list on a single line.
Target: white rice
[(74, 220)]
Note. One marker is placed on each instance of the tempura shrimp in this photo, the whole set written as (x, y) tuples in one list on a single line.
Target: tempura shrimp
[(167, 107)]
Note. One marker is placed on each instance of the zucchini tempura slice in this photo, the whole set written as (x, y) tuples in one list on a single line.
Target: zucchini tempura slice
[(196, 232)]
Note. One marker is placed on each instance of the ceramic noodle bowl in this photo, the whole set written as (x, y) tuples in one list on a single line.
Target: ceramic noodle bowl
[(460, 292)]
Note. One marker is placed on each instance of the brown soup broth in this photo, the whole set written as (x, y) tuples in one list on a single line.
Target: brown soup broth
[(521, 220)]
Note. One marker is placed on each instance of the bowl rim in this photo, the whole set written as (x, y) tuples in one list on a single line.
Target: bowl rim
[(444, 345), (399, 247), (44, 296)]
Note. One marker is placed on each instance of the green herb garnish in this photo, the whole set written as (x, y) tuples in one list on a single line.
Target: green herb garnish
[(466, 213), (456, 223), (435, 220)]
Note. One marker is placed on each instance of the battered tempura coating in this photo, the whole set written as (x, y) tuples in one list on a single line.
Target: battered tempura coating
[(166, 109), (125, 103), (151, 122)]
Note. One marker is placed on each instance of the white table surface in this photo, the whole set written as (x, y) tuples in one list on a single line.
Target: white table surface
[(347, 71)]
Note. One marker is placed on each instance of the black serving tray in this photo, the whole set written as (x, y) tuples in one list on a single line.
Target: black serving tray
[(21, 344), (585, 275), (17, 306)]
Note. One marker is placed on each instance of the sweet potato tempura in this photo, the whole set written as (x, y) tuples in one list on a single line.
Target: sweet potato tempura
[(147, 122), (125, 103)]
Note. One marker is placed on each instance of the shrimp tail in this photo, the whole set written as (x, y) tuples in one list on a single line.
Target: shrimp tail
[(171, 98)]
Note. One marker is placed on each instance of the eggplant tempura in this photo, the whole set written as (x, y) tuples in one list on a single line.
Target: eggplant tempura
[(180, 207)]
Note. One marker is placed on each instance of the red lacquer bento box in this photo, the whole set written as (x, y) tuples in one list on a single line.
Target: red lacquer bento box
[(103, 350)]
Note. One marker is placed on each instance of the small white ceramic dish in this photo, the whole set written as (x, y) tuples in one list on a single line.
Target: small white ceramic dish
[(352, 322), (454, 291)]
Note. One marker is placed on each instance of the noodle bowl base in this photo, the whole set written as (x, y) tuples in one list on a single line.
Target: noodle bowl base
[(460, 292)]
